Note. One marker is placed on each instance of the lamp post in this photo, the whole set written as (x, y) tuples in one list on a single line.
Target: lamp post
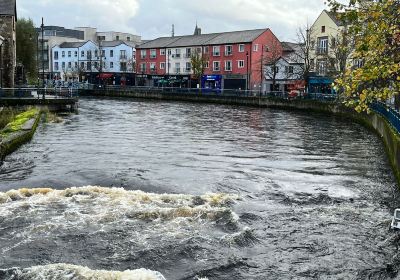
[(42, 51), (1, 61), (247, 65)]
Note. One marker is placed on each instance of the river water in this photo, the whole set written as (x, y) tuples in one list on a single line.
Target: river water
[(160, 190)]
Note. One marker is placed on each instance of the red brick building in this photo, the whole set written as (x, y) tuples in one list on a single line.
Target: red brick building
[(234, 59)]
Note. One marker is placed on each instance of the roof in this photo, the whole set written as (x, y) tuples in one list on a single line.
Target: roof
[(8, 7), (335, 18), (72, 45), (111, 43), (245, 36)]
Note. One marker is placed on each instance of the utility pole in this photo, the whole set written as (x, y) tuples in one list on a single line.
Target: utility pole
[(261, 69), (247, 65)]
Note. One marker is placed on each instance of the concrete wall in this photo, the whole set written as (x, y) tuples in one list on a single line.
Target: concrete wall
[(373, 121)]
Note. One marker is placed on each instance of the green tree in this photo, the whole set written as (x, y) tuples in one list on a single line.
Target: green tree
[(374, 27), (199, 63), (27, 46)]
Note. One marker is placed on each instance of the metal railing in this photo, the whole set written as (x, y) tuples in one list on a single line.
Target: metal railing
[(38, 93), (389, 113)]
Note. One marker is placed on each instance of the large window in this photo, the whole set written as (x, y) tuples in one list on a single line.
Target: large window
[(322, 45), (228, 65), (216, 51), (153, 53), (122, 54), (56, 55), (228, 50), (216, 66)]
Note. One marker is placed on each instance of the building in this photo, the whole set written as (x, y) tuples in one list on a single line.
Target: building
[(53, 36), (325, 35), (287, 71), (8, 56), (56, 35), (233, 59), (110, 61)]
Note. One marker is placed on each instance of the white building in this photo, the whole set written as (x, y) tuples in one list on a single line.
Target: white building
[(74, 59), (288, 72)]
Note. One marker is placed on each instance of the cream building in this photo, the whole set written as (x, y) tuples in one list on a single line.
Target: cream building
[(325, 34)]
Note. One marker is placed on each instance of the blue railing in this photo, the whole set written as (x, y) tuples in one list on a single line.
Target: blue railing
[(390, 114)]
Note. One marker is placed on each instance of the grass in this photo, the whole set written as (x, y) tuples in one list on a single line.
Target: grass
[(18, 121)]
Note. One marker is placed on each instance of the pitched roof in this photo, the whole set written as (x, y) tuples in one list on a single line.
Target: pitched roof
[(245, 36), (8, 7), (334, 17), (72, 45)]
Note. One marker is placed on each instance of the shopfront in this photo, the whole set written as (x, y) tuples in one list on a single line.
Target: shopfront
[(211, 82)]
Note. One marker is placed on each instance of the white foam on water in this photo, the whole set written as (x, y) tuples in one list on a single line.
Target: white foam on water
[(74, 272)]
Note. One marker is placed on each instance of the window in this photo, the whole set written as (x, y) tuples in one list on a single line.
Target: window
[(56, 66), (162, 51), (89, 54), (142, 54), (358, 63), (143, 67), (169, 51), (216, 66), (122, 54), (323, 29), (322, 47), (123, 66), (188, 67), (103, 53), (188, 53), (117, 38), (153, 53), (76, 65), (207, 65), (255, 48), (89, 66), (240, 63), (289, 69), (177, 68), (63, 65), (83, 65), (228, 50), (153, 66), (111, 65), (82, 53), (69, 65), (101, 38), (76, 54), (228, 65), (96, 53), (55, 55), (216, 51), (198, 50), (162, 65), (63, 53), (128, 38), (205, 49), (111, 53), (241, 48), (96, 65), (321, 68), (177, 53), (69, 53)]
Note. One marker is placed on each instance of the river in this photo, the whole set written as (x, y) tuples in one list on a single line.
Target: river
[(169, 190)]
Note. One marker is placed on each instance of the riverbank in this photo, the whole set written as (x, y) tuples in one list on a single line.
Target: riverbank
[(373, 121), (19, 131)]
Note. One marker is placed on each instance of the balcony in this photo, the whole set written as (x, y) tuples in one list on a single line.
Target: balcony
[(322, 51)]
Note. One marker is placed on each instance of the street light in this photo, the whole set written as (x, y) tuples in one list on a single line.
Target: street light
[(247, 65), (42, 30), (1, 61)]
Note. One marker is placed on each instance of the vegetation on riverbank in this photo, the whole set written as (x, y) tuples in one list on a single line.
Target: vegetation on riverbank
[(18, 121)]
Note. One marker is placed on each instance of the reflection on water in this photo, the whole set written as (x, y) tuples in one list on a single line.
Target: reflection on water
[(252, 194)]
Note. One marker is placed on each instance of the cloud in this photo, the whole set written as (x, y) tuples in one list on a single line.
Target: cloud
[(104, 14), (152, 19)]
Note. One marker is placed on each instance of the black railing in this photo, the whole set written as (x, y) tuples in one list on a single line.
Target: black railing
[(35, 93), (389, 113)]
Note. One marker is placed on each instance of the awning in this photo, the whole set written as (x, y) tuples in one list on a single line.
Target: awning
[(105, 75)]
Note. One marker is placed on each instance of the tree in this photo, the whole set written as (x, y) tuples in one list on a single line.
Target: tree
[(270, 59), (375, 30), (26, 42), (199, 62), (304, 55)]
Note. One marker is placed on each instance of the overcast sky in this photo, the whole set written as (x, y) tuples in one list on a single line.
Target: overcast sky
[(152, 19)]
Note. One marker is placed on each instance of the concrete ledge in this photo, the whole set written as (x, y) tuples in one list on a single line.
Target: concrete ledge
[(13, 141)]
